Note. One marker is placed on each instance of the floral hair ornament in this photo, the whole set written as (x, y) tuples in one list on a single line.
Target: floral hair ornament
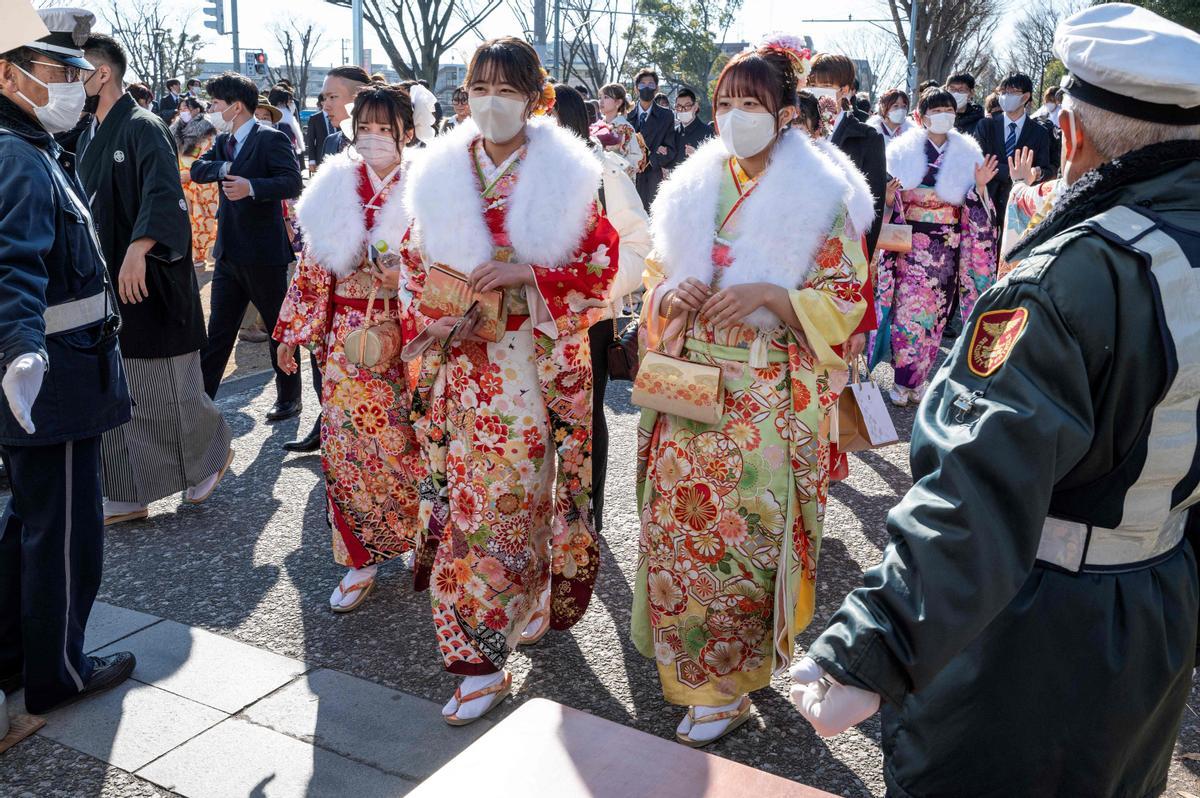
[(546, 101), (791, 46)]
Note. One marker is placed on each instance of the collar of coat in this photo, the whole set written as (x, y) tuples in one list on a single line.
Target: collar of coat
[(907, 163), (545, 216), (331, 215), (20, 124), (783, 224), (1101, 188)]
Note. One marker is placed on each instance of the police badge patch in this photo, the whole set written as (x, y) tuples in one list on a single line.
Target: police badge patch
[(996, 333)]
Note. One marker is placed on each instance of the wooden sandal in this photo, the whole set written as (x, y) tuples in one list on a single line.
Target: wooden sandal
[(363, 589), (502, 690), (739, 716), (220, 476), (544, 617)]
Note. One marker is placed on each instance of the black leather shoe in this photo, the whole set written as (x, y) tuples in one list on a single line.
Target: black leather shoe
[(107, 673), (12, 683), (284, 410), (309, 443)]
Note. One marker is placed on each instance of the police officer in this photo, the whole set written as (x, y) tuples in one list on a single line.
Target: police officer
[(1032, 627), (62, 380)]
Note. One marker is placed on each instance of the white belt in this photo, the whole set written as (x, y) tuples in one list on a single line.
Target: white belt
[(78, 313), (1074, 546)]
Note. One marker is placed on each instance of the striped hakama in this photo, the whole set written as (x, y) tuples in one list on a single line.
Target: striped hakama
[(176, 439)]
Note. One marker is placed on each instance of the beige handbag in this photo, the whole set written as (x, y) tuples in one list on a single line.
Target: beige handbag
[(681, 387), (863, 421), (376, 344), (895, 238)]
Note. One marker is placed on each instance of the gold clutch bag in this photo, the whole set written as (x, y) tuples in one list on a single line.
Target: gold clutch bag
[(681, 387), (447, 293), (895, 238)]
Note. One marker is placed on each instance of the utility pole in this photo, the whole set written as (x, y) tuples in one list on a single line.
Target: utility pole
[(356, 13), (237, 54), (558, 40), (539, 22), (912, 50)]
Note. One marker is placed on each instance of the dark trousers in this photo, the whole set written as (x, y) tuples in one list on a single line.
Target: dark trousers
[(647, 185), (51, 557), (599, 336), (233, 288)]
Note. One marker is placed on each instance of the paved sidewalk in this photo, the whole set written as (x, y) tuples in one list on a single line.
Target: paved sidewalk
[(204, 715)]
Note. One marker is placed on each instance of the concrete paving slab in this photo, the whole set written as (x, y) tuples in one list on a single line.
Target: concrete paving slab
[(237, 758), (109, 623), (130, 725), (206, 667), (393, 731)]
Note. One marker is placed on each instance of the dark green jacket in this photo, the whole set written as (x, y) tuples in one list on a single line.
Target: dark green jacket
[(1002, 676)]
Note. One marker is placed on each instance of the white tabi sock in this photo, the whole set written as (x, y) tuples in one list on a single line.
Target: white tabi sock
[(352, 578), (707, 731), (469, 684)]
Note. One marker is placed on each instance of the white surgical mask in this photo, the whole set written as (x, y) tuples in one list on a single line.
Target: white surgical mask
[(820, 92), (217, 119), (896, 115), (499, 119), (960, 98), (186, 116), (685, 117), (745, 134), (940, 123), (1050, 107), (64, 103), (1010, 102), (377, 150)]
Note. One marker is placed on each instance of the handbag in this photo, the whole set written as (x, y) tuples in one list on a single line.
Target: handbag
[(623, 352), (895, 238), (681, 387), (447, 293), (863, 421), (376, 343)]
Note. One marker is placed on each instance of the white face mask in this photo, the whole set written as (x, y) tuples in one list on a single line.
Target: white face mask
[(186, 116), (896, 115), (819, 92), (64, 103), (377, 150), (1051, 107), (499, 119), (217, 119), (940, 123), (960, 98), (1010, 102), (745, 134), (685, 117)]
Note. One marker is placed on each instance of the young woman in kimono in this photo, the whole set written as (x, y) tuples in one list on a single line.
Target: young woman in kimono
[(942, 176), (732, 512), (509, 547), (355, 231), (614, 105), (194, 134), (1028, 203)]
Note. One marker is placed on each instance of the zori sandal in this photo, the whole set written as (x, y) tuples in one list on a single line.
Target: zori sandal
[(739, 716), (501, 689)]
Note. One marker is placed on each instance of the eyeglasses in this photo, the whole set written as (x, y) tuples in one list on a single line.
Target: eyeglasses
[(685, 108), (73, 73)]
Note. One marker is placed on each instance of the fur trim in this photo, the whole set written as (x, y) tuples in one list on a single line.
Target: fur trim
[(906, 162), (546, 214), (860, 202), (876, 121), (783, 223), (331, 216)]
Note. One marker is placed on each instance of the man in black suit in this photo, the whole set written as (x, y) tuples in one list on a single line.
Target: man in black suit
[(257, 169), (168, 104), (1008, 131), (657, 126), (341, 84), (692, 131), (968, 113), (315, 133), (833, 76)]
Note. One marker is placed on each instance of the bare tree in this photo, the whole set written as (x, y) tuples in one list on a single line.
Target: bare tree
[(950, 33), (155, 50), (425, 29), (299, 42), (877, 48), (1032, 49)]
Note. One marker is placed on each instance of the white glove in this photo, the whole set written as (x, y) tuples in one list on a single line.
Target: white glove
[(830, 707), (22, 382)]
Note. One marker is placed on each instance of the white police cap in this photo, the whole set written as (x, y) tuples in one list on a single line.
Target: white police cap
[(69, 29)]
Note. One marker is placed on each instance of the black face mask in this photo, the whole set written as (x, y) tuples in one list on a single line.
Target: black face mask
[(91, 104), (647, 92)]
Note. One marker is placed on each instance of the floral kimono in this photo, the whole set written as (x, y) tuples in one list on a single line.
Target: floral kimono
[(202, 199), (953, 251), (732, 512), (1027, 206), (629, 149), (368, 450), (505, 428)]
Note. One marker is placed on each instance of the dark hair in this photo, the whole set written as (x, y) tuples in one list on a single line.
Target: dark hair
[(593, 107), (891, 97), (174, 82), (571, 111), (279, 95), (354, 74), (645, 72), (230, 87), (583, 90), (832, 68), (321, 98), (863, 104), (110, 51), (935, 98), (423, 82), (511, 60), (809, 111), (766, 75), (617, 92), (141, 92), (926, 86), (21, 57), (965, 78), (1018, 81), (686, 92), (386, 105), (193, 82), (991, 104), (284, 82), (194, 104), (1052, 93), (662, 100)]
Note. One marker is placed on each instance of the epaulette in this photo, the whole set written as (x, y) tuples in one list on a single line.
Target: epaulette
[(1033, 267)]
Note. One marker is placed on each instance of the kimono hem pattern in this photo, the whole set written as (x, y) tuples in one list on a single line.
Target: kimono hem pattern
[(369, 453), (202, 199), (506, 432), (732, 513)]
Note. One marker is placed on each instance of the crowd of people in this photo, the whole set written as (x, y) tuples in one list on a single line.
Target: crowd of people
[(465, 287)]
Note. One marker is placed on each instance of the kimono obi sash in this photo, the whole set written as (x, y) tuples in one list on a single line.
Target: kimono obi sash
[(924, 206)]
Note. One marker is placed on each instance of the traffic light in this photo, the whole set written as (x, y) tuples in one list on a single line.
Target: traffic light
[(216, 10), (260, 63)]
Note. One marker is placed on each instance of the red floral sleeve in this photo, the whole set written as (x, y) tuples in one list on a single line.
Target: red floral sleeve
[(304, 316), (570, 291)]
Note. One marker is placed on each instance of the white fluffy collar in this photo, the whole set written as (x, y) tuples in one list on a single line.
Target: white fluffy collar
[(783, 223), (907, 163), (876, 122), (545, 217), (330, 213)]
